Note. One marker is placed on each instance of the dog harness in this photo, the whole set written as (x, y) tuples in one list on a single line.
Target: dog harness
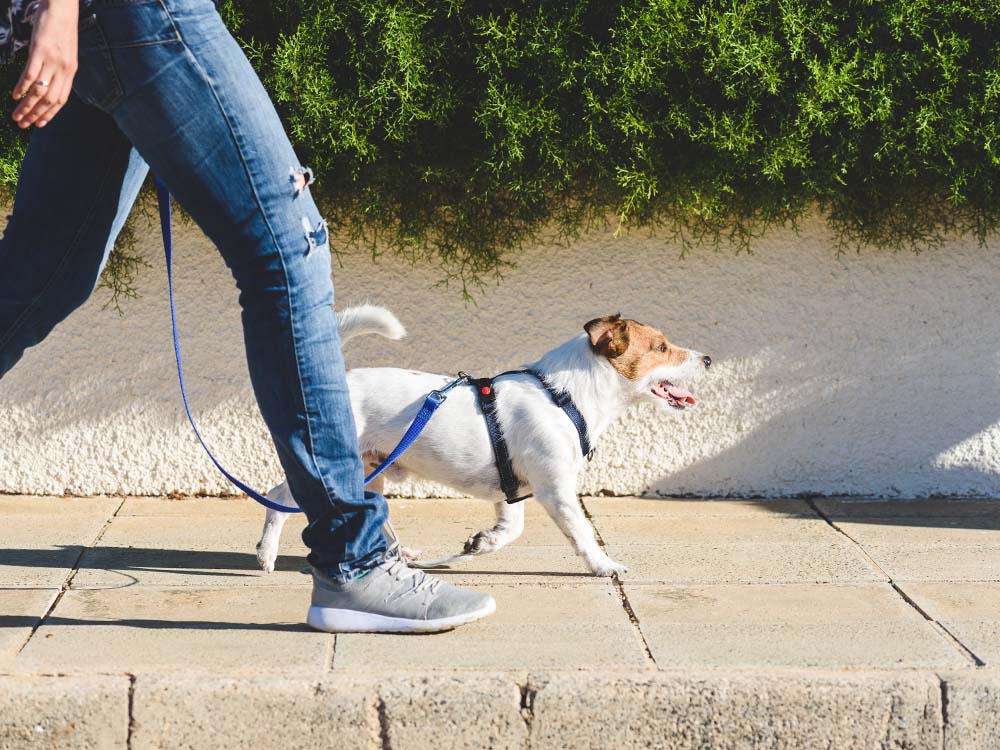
[(509, 483), (486, 393)]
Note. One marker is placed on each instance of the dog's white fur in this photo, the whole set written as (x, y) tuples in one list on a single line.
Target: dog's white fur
[(455, 450)]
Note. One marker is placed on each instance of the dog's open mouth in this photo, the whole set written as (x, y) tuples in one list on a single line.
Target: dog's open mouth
[(673, 395)]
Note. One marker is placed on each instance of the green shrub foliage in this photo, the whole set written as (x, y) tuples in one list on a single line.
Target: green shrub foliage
[(456, 131)]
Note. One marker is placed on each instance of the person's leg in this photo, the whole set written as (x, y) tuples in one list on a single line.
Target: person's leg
[(184, 94), (77, 183)]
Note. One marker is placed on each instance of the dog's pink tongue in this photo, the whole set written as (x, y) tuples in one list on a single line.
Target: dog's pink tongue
[(685, 397)]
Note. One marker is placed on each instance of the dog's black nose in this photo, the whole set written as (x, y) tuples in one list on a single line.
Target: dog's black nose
[(707, 360)]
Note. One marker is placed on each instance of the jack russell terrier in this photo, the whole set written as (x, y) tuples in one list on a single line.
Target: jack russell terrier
[(614, 363)]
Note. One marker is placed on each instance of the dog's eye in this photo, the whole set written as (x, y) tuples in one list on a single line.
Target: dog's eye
[(661, 348)]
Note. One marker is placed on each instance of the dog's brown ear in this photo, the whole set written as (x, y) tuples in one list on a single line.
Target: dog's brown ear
[(608, 335)]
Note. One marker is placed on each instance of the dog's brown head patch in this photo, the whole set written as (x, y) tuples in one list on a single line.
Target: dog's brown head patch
[(632, 348)]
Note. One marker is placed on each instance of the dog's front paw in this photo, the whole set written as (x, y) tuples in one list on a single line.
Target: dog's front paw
[(408, 553), (480, 542), (607, 567), (267, 554)]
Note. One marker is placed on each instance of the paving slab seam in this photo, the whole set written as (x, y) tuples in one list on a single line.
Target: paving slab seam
[(383, 723), (70, 576), (131, 712), (528, 694), (943, 630), (331, 655), (944, 712), (619, 587)]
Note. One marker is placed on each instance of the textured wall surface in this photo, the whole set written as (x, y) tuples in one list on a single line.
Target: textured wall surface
[(874, 374)]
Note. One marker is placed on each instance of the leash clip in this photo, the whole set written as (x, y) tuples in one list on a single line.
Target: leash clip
[(438, 393)]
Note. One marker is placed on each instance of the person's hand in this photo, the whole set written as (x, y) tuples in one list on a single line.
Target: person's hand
[(44, 86)]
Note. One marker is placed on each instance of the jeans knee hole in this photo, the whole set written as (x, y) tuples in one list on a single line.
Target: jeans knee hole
[(300, 178), (315, 237)]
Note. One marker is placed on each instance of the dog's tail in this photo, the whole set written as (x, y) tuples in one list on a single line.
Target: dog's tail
[(365, 320)]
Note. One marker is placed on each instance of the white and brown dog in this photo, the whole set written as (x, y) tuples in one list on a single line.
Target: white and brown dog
[(615, 363)]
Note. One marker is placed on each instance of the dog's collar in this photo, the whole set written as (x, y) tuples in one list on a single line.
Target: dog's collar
[(509, 483)]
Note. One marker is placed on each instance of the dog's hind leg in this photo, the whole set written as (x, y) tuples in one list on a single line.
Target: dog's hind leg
[(270, 538), (564, 508), (509, 525)]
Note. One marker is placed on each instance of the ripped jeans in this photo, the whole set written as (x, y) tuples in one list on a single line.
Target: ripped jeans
[(162, 83)]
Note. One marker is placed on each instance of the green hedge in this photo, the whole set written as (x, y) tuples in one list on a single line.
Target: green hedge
[(456, 131)]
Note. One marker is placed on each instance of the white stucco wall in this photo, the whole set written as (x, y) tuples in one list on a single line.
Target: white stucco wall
[(874, 374)]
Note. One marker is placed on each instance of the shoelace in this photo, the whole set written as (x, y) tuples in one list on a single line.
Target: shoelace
[(398, 568)]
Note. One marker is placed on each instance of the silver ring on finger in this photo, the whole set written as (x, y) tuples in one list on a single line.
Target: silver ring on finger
[(41, 82)]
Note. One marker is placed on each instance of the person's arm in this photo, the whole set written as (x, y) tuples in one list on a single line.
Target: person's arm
[(51, 61)]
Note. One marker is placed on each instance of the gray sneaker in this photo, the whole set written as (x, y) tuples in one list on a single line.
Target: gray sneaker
[(393, 598)]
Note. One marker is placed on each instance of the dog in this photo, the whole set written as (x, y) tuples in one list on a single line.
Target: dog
[(613, 364)]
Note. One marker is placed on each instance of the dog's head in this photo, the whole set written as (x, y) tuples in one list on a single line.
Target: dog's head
[(647, 360)]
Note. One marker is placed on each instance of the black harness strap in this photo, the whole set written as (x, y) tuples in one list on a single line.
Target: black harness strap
[(487, 396), (564, 401), (509, 483)]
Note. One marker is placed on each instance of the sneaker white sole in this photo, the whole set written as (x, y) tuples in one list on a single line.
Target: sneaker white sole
[(331, 620)]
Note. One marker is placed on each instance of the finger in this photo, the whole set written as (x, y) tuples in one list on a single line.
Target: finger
[(24, 115), (32, 96), (58, 96), (31, 71)]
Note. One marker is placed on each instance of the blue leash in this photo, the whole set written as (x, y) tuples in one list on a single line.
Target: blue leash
[(433, 400)]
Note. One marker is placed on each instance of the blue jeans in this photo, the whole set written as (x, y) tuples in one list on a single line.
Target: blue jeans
[(162, 83)]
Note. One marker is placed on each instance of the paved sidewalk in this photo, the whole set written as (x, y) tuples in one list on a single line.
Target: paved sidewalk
[(145, 623)]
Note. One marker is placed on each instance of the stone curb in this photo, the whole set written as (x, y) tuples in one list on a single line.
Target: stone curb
[(679, 711), (85, 711)]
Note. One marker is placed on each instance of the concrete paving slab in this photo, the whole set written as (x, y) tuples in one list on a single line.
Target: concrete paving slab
[(938, 562), (832, 561), (790, 711), (259, 713), (458, 712), (970, 611), (43, 536), (64, 713), (672, 507), (734, 546), (135, 629), (973, 708), (177, 550), (20, 611), (535, 627), (792, 625)]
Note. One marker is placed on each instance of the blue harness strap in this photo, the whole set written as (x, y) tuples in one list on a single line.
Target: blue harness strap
[(433, 400)]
